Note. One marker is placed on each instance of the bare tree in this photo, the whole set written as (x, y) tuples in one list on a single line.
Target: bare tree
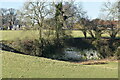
[(3, 13), (37, 12), (8, 17), (112, 11)]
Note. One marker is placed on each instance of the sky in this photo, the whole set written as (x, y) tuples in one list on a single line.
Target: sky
[(91, 6)]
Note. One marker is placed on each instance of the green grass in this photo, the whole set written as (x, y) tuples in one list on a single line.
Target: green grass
[(0, 65), (77, 33), (17, 65), (24, 66), (13, 35)]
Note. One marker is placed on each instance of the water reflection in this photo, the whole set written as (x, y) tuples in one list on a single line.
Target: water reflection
[(76, 54)]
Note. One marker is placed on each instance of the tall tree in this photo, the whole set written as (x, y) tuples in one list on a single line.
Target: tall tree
[(112, 11), (8, 16), (68, 13), (3, 13), (64, 11), (37, 12)]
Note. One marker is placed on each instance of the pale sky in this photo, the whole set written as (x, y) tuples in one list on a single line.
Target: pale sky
[(91, 6)]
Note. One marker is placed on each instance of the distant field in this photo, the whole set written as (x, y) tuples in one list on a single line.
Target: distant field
[(24, 66), (77, 33), (13, 35)]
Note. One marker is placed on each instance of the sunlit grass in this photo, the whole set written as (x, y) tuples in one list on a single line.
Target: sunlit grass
[(34, 34), (25, 66), (18, 65), (13, 35)]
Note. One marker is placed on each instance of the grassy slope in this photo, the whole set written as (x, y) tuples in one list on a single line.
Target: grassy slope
[(13, 35), (18, 65)]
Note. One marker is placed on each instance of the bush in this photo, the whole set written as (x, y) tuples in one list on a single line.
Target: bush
[(33, 47), (118, 53), (51, 48), (26, 46), (105, 48)]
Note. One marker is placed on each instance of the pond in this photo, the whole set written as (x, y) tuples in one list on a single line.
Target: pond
[(74, 54)]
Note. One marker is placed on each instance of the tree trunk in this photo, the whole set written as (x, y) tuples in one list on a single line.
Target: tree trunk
[(85, 33), (90, 32), (40, 39)]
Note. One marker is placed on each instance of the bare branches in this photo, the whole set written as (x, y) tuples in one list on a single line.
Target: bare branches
[(36, 11), (111, 10)]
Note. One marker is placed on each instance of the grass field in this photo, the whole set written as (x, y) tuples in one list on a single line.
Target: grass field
[(24, 66), (13, 35)]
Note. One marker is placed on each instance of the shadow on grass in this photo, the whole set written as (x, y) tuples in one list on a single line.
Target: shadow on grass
[(10, 49)]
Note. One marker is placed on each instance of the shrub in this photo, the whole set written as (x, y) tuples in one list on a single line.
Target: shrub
[(33, 47), (26, 46), (117, 53), (105, 48)]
